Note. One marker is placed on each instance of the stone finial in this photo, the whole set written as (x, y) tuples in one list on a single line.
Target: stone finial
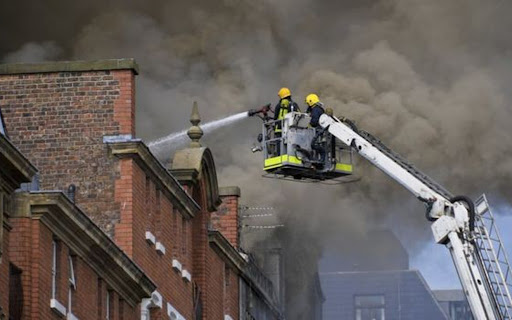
[(195, 133)]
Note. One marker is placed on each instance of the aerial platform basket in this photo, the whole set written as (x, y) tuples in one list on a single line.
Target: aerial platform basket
[(300, 152)]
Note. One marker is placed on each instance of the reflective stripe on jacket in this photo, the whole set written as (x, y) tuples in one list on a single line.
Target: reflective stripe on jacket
[(284, 106)]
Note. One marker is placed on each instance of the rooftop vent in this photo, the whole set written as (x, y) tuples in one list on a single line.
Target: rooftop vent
[(71, 192)]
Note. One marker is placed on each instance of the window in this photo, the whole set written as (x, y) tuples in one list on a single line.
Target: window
[(227, 275), (99, 297), (460, 310), (147, 190), (55, 305), (15, 293), (121, 309), (369, 307), (157, 211), (184, 237), (55, 267), (72, 281), (175, 232), (107, 306)]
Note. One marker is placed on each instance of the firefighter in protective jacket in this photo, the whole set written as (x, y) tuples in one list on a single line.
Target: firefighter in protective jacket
[(315, 110), (285, 105)]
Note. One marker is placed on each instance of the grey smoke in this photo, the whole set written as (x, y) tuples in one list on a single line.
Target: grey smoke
[(33, 52), (430, 78)]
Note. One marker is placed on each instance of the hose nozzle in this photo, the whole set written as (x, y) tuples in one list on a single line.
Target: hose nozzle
[(264, 109)]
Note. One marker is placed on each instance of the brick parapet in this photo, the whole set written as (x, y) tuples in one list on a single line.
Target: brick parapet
[(69, 66)]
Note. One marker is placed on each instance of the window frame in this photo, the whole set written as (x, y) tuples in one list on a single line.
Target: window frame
[(107, 305), (55, 267), (369, 306), (72, 284), (56, 271)]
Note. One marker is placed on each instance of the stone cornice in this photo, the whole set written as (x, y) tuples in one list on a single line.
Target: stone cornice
[(222, 246), (138, 151), (186, 176), (16, 169), (70, 66), (76, 230), (229, 191)]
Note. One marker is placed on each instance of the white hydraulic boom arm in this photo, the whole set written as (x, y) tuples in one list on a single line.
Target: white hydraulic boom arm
[(453, 225)]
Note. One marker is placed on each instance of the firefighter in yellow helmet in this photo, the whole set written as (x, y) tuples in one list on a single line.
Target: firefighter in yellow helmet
[(285, 105), (315, 109)]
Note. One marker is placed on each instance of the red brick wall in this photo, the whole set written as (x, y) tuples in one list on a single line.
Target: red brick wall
[(32, 246), (231, 299), (58, 121), (200, 244), (127, 312), (226, 219), (124, 193), (144, 207), (101, 297), (31, 251), (41, 272), (20, 239), (4, 271), (214, 286), (85, 298), (209, 268)]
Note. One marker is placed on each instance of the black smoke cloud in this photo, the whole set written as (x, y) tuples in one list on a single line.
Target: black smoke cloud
[(429, 78)]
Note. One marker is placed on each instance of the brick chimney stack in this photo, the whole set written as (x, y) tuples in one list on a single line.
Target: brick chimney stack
[(226, 219), (57, 114)]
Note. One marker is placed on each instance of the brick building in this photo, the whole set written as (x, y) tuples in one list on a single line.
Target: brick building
[(15, 169), (56, 261), (75, 121)]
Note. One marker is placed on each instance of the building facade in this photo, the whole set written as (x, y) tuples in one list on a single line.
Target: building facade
[(15, 169), (75, 122), (57, 263), (374, 282)]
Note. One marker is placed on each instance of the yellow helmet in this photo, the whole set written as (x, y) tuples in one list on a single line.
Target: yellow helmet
[(311, 99), (284, 92)]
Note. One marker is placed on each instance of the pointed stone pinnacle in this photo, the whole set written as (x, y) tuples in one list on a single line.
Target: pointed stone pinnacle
[(195, 133)]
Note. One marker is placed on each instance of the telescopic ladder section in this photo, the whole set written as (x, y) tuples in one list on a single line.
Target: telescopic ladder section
[(493, 257), (405, 164)]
